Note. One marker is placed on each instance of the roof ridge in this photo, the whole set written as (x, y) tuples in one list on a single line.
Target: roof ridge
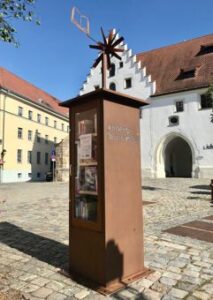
[(1, 78), (19, 86), (175, 44), (2, 69)]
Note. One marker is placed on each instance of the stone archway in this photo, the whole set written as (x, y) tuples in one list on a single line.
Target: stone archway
[(178, 158), (169, 157)]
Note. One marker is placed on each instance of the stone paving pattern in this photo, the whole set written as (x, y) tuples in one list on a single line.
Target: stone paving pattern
[(34, 243)]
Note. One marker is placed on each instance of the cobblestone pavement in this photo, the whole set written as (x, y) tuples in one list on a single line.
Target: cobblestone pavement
[(34, 243)]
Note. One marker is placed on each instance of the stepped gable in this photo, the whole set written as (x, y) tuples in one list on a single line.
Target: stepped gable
[(23, 88), (127, 57), (172, 67)]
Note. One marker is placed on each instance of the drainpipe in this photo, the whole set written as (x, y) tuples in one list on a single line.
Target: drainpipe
[(3, 134)]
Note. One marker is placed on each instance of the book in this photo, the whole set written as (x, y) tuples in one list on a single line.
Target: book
[(81, 210), (85, 126), (86, 208), (88, 179), (91, 178), (85, 148)]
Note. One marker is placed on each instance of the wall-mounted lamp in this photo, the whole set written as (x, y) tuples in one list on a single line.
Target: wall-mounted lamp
[(3, 153)]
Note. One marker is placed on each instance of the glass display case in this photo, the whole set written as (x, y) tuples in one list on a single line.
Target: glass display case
[(85, 200)]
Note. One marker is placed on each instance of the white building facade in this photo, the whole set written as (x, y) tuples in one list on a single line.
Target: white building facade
[(182, 149), (176, 132)]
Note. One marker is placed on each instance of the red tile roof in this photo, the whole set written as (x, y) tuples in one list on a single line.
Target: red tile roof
[(165, 64), (21, 87)]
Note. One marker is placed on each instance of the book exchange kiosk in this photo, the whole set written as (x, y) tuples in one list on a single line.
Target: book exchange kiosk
[(106, 221)]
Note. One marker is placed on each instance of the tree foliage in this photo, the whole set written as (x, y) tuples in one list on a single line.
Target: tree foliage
[(14, 9), (209, 94)]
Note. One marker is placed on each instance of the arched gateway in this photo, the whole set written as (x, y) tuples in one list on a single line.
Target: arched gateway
[(174, 157), (178, 158)]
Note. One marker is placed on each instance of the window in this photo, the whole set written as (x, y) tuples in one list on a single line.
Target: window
[(46, 158), (20, 111), (19, 155), (38, 175), (19, 175), (121, 64), (38, 137), (206, 49), (128, 83), (20, 133), (30, 175), (38, 158), (112, 86), (173, 120), (186, 74), (38, 118), (112, 70), (46, 121), (179, 106), (55, 124), (55, 140), (29, 157), (30, 114), (29, 135), (46, 139), (206, 101), (62, 126)]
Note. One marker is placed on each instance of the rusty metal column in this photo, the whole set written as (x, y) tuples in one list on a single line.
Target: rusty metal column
[(104, 71)]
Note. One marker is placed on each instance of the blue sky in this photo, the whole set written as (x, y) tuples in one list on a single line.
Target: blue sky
[(55, 56)]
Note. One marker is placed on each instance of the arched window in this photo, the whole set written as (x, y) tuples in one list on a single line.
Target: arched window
[(112, 70), (112, 86)]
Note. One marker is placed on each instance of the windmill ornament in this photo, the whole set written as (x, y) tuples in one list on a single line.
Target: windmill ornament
[(108, 47)]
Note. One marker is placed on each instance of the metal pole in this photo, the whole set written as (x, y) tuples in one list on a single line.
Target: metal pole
[(53, 171)]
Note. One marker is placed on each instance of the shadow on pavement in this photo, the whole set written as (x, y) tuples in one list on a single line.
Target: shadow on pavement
[(42, 248), (132, 294), (200, 187), (201, 192), (49, 251), (150, 188), (193, 198)]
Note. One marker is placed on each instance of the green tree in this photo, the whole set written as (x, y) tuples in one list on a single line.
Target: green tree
[(14, 9), (209, 94)]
